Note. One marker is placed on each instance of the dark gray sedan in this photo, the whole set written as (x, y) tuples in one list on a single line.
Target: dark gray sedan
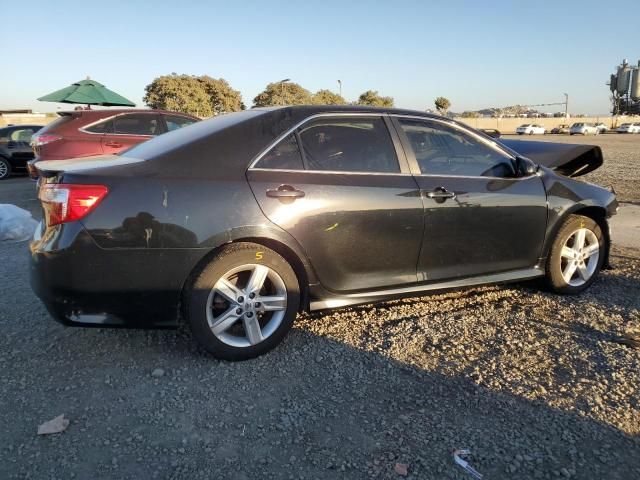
[(242, 221)]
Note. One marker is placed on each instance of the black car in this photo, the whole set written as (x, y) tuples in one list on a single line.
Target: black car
[(241, 221), (15, 150)]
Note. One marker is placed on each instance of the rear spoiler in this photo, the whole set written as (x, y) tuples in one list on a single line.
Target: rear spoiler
[(70, 113), (571, 160)]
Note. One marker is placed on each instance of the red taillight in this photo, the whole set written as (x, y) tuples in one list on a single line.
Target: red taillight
[(42, 139), (68, 202)]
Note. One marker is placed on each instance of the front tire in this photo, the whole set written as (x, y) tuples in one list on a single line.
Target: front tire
[(243, 303), (576, 256), (5, 168)]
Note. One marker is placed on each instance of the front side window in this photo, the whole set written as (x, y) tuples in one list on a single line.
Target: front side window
[(443, 150), (175, 122), (348, 145), (284, 156), (140, 124)]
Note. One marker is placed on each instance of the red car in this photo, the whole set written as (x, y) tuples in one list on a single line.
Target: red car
[(84, 133)]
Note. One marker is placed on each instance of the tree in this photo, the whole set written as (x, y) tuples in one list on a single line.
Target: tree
[(178, 93), (468, 114), (222, 98), (371, 97), (280, 93), (201, 96), (327, 97), (442, 104)]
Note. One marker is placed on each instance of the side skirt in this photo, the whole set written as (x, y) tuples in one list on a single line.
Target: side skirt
[(327, 300)]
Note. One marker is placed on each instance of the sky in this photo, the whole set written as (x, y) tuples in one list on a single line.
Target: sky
[(476, 53)]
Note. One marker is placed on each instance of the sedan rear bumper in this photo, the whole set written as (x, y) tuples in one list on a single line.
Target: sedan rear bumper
[(82, 284)]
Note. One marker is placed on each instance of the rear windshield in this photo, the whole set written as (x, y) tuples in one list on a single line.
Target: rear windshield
[(525, 125), (57, 123), (625, 125), (182, 136)]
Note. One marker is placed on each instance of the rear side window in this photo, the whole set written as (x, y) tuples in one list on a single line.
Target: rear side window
[(137, 124), (102, 127), (22, 135), (349, 145), (284, 156), (443, 150), (175, 122)]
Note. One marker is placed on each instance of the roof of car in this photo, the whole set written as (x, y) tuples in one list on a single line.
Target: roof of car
[(238, 137), (307, 110), (107, 112)]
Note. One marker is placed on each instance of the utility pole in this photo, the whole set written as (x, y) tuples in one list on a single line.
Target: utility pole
[(340, 86), (566, 106), (282, 82)]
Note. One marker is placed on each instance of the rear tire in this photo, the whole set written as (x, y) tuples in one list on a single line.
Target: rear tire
[(5, 168), (243, 303), (576, 256)]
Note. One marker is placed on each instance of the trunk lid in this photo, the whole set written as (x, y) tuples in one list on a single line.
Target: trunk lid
[(50, 168)]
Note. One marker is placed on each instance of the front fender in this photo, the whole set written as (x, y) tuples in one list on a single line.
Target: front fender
[(566, 196)]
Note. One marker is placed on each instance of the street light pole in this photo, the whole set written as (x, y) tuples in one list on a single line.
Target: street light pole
[(566, 105), (340, 86), (282, 82)]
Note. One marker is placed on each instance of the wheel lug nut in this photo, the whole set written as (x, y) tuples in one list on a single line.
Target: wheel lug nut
[(240, 299), (252, 295), (238, 311), (249, 314), (257, 305)]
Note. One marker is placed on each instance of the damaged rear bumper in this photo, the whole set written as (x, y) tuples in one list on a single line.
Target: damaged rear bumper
[(82, 284)]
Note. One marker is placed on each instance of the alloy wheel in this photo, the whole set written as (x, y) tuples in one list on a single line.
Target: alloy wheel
[(4, 170), (579, 257), (246, 305)]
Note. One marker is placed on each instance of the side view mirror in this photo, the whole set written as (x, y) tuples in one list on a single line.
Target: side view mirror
[(492, 132), (525, 167)]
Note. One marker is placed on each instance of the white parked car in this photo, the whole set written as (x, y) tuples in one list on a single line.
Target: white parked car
[(602, 128), (583, 129), (530, 129), (629, 128)]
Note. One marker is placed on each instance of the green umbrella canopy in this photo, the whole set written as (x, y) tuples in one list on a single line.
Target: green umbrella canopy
[(88, 92)]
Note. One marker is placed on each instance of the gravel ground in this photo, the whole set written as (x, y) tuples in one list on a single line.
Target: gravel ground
[(535, 385)]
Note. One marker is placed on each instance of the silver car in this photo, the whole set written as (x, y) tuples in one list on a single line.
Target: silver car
[(583, 129)]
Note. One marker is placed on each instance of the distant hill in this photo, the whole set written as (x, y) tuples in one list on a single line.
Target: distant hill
[(512, 111)]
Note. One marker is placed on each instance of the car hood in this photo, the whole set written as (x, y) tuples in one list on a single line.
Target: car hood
[(570, 160)]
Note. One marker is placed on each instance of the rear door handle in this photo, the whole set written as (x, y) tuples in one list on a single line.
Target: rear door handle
[(285, 191), (113, 144), (440, 194)]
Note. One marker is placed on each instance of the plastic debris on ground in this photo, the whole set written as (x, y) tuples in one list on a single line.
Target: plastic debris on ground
[(464, 464), (57, 425), (401, 469), (16, 224)]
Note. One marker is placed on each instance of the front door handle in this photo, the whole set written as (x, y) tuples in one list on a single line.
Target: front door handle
[(440, 194), (285, 192), (113, 144)]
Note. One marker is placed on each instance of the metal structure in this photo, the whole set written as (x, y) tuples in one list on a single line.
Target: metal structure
[(625, 89)]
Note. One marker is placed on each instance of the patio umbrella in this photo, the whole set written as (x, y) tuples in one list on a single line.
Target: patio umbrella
[(88, 92)]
